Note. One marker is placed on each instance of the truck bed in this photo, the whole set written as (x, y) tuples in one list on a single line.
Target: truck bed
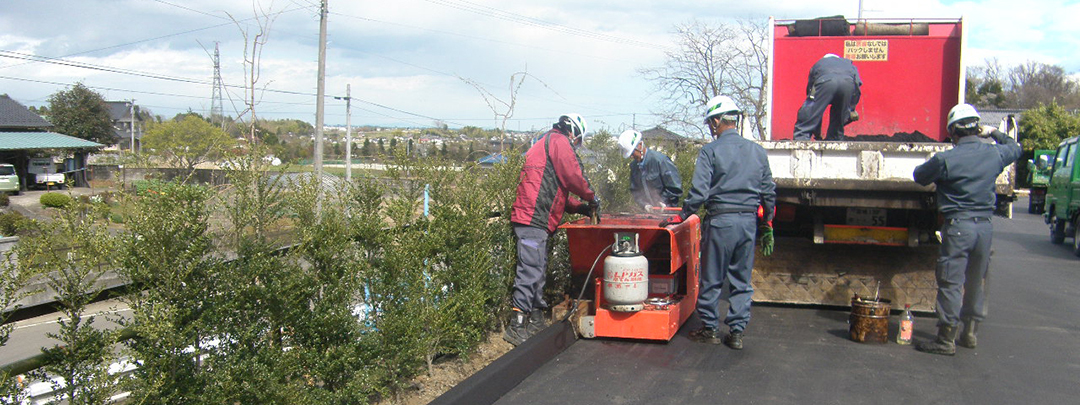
[(862, 167)]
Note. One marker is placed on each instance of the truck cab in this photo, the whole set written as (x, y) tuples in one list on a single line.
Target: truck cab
[(1063, 195), (1039, 176)]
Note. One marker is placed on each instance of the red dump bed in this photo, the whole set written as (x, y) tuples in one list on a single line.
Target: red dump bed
[(911, 75)]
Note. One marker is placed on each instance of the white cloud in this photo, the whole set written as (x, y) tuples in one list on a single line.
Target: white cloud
[(406, 54)]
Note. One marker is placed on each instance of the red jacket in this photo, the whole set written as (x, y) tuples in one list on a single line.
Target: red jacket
[(551, 170)]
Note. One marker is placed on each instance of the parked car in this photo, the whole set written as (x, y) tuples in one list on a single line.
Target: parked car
[(9, 179)]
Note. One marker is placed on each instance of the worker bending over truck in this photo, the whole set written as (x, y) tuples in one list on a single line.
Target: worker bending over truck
[(964, 176), (732, 179), (551, 171), (833, 81), (654, 179)]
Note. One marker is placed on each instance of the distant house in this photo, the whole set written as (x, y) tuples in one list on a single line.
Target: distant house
[(120, 114), (661, 138), (994, 116), (24, 134)]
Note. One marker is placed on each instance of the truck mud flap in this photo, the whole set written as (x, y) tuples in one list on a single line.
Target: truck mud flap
[(502, 375)]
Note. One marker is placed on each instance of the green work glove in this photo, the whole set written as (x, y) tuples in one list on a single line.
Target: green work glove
[(765, 239)]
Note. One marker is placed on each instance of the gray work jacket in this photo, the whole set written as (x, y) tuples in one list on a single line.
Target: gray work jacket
[(655, 180), (965, 175), (732, 175)]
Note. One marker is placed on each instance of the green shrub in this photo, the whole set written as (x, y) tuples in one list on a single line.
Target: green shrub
[(55, 200), (12, 222), (142, 187), (4, 200)]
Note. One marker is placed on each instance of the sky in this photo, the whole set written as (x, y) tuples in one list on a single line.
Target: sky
[(418, 63)]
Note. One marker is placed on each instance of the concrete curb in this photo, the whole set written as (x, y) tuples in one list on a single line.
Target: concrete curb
[(492, 382)]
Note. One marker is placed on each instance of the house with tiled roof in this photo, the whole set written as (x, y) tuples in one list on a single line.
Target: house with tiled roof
[(123, 122), (24, 134)]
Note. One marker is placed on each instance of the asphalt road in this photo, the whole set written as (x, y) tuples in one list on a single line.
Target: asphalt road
[(30, 335), (1028, 350)]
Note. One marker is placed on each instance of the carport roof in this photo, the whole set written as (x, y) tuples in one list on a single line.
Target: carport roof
[(43, 140)]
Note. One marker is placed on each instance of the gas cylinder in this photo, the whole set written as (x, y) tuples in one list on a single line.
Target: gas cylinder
[(626, 275)]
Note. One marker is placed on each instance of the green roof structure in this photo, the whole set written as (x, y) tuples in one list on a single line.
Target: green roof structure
[(43, 140)]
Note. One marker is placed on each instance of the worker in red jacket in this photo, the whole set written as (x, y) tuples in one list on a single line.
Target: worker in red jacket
[(551, 171)]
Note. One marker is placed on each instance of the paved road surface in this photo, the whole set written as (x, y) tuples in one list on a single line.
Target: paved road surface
[(30, 335), (1029, 350)]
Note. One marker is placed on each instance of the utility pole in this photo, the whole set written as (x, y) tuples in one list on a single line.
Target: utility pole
[(348, 133), (319, 109), (131, 111), (321, 92)]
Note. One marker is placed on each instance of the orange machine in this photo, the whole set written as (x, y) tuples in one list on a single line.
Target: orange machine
[(673, 264)]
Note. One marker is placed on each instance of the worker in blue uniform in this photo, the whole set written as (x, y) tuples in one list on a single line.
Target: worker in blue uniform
[(732, 179), (964, 176), (833, 81), (654, 179)]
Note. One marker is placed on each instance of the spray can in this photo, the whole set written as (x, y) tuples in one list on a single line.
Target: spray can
[(907, 326)]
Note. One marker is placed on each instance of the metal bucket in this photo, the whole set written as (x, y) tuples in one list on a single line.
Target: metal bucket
[(869, 320)]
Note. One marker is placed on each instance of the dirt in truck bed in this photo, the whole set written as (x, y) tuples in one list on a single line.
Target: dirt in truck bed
[(897, 137)]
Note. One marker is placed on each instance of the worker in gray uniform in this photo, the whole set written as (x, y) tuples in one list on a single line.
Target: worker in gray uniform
[(732, 179), (833, 81), (964, 176), (654, 179)]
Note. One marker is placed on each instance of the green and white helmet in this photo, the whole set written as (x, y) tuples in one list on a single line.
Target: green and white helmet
[(962, 116), (576, 121), (628, 141), (722, 106)]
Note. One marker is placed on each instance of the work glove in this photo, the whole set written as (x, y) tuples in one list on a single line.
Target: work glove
[(986, 130), (675, 219), (594, 210), (582, 209), (765, 239), (852, 117)]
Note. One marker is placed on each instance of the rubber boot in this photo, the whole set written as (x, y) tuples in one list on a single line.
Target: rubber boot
[(537, 322), (517, 331), (967, 337), (944, 344)]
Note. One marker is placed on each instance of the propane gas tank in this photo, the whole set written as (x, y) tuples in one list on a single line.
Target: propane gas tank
[(626, 276)]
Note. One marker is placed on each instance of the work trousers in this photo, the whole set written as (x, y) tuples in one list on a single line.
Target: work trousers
[(727, 254), (531, 265), (835, 92), (962, 270)]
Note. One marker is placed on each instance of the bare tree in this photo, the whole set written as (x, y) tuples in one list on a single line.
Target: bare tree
[(1035, 83), (724, 58), (254, 43), (504, 109), (985, 87)]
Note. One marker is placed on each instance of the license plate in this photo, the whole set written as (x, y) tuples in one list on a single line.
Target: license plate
[(866, 216)]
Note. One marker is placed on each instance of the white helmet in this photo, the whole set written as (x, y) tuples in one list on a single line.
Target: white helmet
[(576, 123), (628, 141), (723, 107), (962, 116)]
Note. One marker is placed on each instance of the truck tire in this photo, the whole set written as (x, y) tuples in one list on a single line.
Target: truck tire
[(1057, 230), (1076, 238)]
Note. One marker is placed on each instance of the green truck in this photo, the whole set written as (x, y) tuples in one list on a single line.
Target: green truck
[(1039, 177), (1063, 195)]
